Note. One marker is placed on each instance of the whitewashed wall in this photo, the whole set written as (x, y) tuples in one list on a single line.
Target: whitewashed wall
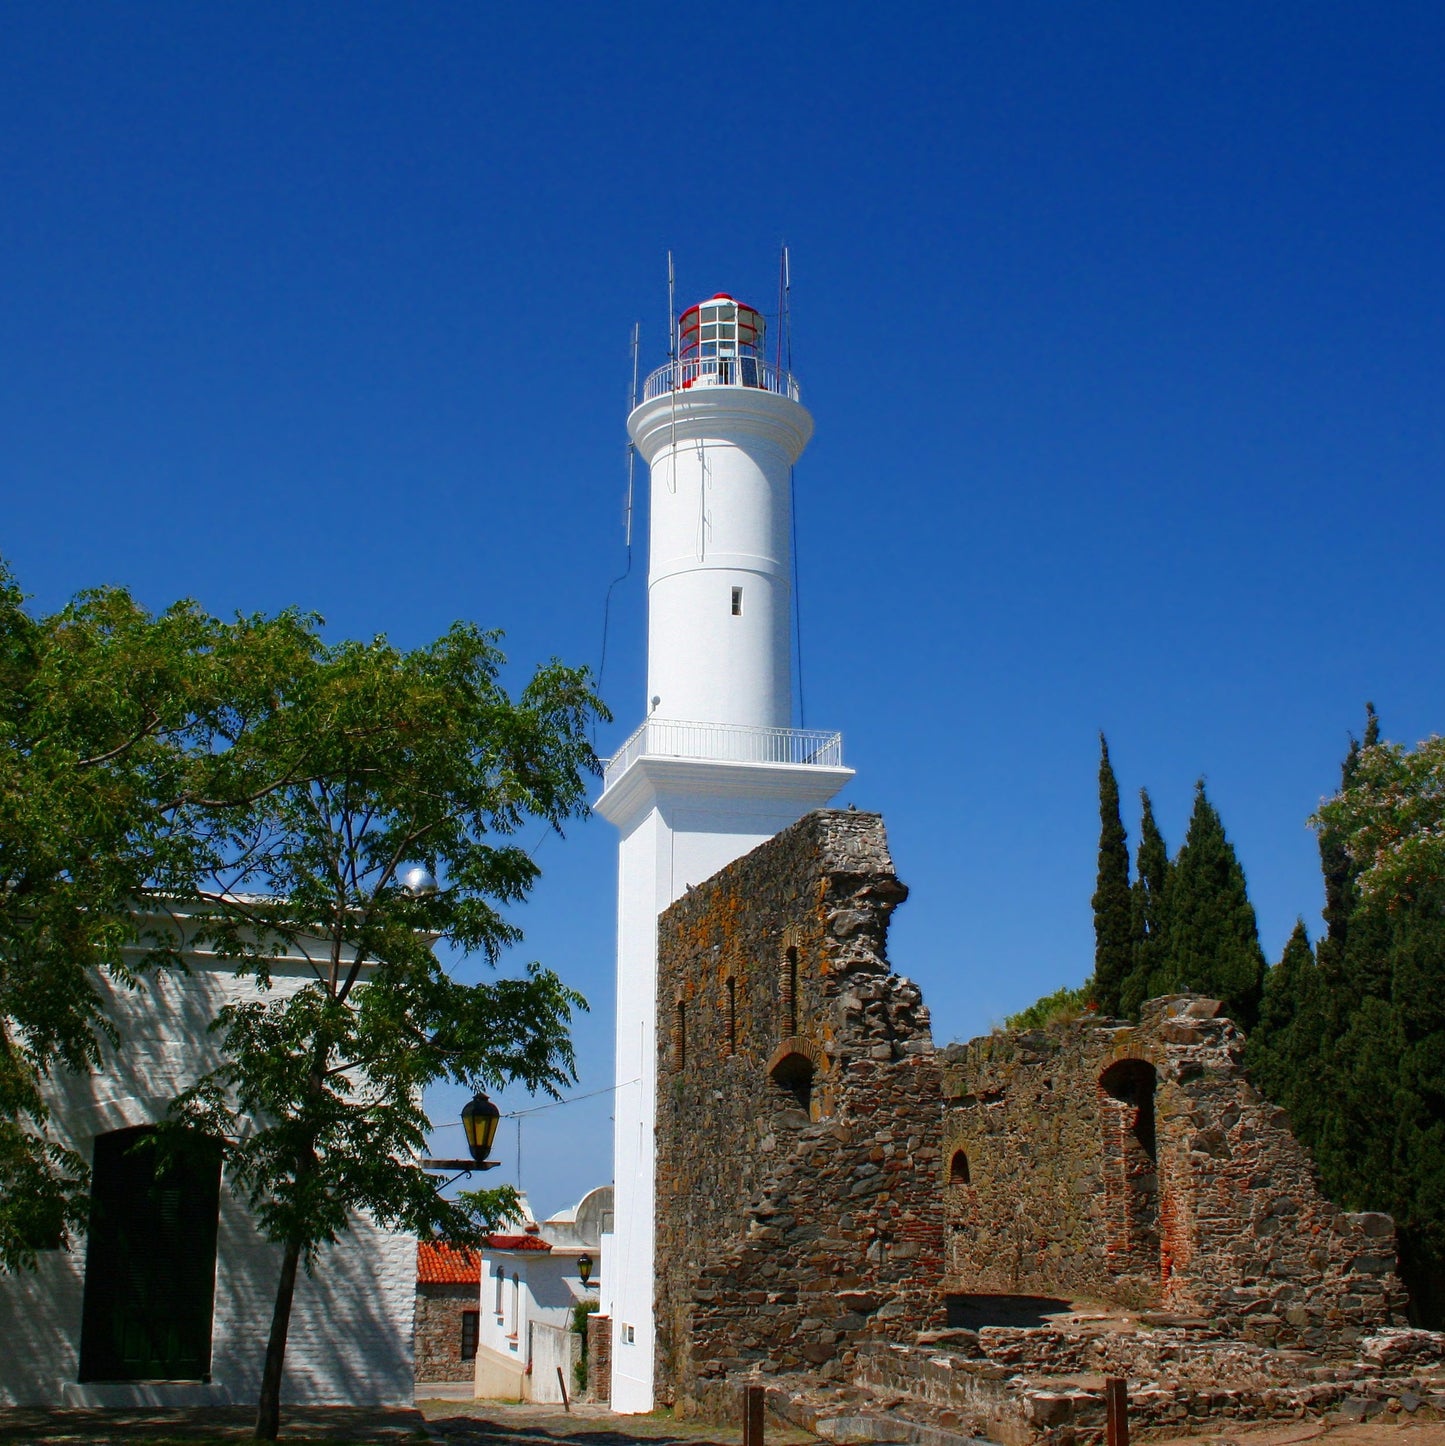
[(554, 1348), (351, 1327)]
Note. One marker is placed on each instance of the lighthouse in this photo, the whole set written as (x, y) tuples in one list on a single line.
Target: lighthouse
[(715, 768)]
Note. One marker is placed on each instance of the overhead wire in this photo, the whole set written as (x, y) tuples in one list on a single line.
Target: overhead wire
[(551, 1104)]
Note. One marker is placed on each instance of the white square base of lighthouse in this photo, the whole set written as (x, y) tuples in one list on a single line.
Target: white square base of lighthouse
[(681, 821)]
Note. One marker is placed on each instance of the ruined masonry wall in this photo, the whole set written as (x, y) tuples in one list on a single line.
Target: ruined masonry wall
[(795, 1218), (1137, 1165)]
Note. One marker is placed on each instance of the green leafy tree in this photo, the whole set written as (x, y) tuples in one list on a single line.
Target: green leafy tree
[(1213, 937), (1112, 926), (1390, 821), (1149, 916), (371, 760), (104, 710)]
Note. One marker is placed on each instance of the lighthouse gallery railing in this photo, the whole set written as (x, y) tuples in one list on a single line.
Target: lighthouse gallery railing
[(719, 371), (725, 743)]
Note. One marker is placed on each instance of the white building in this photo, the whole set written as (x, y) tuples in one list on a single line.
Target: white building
[(716, 767), (167, 1300), (531, 1281)]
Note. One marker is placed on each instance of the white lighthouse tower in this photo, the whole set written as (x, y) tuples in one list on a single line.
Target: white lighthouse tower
[(715, 769)]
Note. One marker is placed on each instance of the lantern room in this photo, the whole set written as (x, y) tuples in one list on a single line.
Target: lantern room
[(721, 327)]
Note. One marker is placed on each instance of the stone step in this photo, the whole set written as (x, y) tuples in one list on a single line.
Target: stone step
[(889, 1426), (854, 1414)]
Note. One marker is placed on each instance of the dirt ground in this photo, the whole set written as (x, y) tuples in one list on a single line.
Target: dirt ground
[(452, 1422), (1393, 1432), (491, 1423), (496, 1423), (333, 1425)]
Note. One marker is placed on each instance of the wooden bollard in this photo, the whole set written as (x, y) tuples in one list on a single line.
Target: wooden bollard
[(1116, 1412), (753, 1416)]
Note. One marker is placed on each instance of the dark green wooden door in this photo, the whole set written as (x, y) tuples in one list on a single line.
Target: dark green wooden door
[(150, 1262)]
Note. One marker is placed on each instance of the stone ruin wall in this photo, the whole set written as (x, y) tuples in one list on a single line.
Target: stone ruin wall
[(796, 1218), (806, 1224), (1135, 1165)]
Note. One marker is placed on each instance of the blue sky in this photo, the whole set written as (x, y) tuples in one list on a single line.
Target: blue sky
[(1121, 328)]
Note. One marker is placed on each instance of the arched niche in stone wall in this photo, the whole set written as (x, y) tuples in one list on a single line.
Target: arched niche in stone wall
[(1130, 1167), (799, 1070)]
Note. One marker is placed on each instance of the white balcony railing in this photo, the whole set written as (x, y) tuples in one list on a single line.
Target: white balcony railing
[(725, 743), (719, 371)]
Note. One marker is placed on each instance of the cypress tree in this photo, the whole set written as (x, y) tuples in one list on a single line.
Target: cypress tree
[(1112, 953), (1284, 1044), (1382, 1136), (1149, 910), (1213, 937), (1340, 994)]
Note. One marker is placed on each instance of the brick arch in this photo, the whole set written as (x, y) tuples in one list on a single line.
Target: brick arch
[(800, 1044), (963, 1141)]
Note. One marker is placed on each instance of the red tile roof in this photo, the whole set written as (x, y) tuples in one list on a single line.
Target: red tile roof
[(438, 1264), (517, 1242)]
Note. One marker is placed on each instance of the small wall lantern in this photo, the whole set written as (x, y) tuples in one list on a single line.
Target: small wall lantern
[(584, 1268)]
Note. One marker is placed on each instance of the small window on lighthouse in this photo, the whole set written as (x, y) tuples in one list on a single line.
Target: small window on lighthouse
[(737, 602)]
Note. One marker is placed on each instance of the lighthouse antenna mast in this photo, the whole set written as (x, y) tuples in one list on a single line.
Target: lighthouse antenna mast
[(631, 445), (671, 311), (785, 350), (627, 533)]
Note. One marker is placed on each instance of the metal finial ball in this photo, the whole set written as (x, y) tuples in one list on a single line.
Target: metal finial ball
[(418, 882)]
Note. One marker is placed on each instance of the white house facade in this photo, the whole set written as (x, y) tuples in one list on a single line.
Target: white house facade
[(531, 1281), (167, 1299)]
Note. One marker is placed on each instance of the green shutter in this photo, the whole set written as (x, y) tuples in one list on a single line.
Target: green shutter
[(150, 1261)]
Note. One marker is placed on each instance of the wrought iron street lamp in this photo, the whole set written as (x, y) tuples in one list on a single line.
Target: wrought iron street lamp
[(479, 1121), (584, 1268)]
